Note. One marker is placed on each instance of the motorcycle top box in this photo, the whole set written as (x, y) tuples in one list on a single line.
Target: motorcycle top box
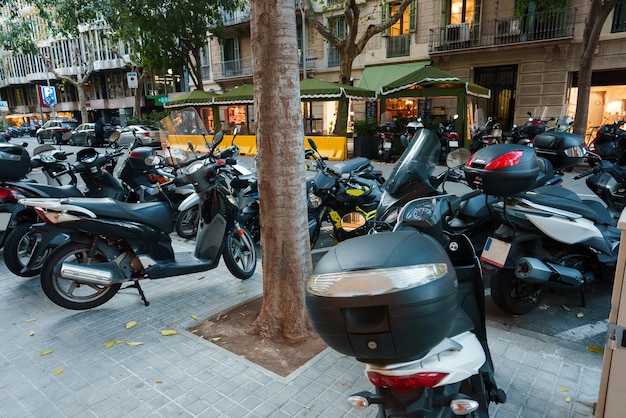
[(503, 169), (137, 158), (383, 298), (14, 161), (561, 148)]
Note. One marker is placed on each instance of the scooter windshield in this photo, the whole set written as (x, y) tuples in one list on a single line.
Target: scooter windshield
[(416, 164), (182, 122)]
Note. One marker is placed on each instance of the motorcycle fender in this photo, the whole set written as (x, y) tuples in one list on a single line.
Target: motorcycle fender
[(191, 200), (564, 230), (460, 364)]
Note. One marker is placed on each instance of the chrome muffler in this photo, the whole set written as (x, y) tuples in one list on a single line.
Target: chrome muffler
[(533, 270), (103, 274)]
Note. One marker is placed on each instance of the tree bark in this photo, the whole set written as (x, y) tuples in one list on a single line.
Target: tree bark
[(598, 13), (285, 249)]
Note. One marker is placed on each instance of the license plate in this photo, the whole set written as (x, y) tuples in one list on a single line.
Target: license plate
[(386, 145), (4, 221), (454, 144), (495, 252)]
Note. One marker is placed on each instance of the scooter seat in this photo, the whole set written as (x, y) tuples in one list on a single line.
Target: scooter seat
[(560, 198), (156, 214), (47, 190), (351, 165)]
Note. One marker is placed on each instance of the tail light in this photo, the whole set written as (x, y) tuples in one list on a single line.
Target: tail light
[(146, 134), (407, 383), (505, 160), (11, 194)]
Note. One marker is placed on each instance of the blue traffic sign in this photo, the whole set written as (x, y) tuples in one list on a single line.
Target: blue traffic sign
[(48, 95)]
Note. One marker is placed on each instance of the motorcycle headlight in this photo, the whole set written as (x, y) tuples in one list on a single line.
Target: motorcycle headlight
[(314, 201), (375, 282)]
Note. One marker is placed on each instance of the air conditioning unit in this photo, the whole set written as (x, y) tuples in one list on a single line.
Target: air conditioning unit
[(456, 33)]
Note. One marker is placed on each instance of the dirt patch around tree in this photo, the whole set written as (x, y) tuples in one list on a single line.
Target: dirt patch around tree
[(228, 330)]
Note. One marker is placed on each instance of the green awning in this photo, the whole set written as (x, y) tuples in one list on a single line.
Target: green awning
[(374, 78), (432, 78), (191, 98), (242, 94), (313, 89)]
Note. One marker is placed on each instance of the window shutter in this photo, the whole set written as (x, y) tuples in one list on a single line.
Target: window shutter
[(413, 16), (386, 8)]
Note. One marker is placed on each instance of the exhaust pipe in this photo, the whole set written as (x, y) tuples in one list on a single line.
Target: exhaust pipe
[(533, 270), (103, 274)]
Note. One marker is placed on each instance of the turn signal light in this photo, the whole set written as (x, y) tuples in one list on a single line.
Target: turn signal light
[(358, 402), (463, 406), (406, 383)]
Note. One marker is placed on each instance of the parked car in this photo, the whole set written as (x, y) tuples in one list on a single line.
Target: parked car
[(145, 133), (54, 129), (85, 134)]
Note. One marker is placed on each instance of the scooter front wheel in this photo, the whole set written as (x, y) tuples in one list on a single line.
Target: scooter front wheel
[(240, 253), (513, 295), (71, 294), (187, 223), (17, 250)]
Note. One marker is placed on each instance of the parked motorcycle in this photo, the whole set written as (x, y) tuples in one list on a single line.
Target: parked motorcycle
[(334, 191), (548, 237), (365, 294), (485, 135), (385, 146), (448, 137), (111, 242), (409, 133), (610, 141), (525, 135)]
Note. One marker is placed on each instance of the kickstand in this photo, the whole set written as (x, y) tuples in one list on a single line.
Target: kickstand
[(582, 297), (140, 290)]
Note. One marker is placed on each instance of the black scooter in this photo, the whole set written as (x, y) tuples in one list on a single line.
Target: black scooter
[(110, 243), (409, 304)]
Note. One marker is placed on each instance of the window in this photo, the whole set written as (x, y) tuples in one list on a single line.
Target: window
[(461, 11), (338, 26), (619, 17), (399, 34), (231, 65)]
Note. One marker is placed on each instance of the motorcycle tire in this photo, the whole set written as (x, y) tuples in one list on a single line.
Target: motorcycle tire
[(18, 247), (387, 156), (513, 295), (68, 293), (240, 253), (187, 223)]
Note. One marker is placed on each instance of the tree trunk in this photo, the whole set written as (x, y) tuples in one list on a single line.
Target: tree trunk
[(598, 13), (139, 94), (82, 102), (285, 249)]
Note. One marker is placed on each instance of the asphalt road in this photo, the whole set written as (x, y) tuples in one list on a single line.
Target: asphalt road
[(560, 315)]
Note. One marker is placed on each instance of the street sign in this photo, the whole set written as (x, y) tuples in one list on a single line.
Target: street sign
[(48, 95), (133, 82), (4, 106)]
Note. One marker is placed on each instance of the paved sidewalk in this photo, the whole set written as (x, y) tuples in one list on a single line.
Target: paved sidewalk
[(183, 375)]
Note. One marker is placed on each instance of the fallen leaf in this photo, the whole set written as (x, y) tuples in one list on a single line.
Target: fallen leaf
[(194, 317), (568, 399), (31, 320), (45, 352), (168, 332), (58, 372), (567, 308), (109, 344), (564, 390), (131, 324), (544, 307), (595, 349), (201, 277), (119, 341), (242, 314), (216, 339), (134, 343), (242, 291), (31, 333), (580, 315), (158, 381)]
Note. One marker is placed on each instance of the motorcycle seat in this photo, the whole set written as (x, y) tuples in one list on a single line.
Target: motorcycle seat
[(156, 214), (560, 198), (350, 165), (47, 190)]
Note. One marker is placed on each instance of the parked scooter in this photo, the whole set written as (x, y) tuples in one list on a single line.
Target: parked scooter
[(449, 138), (548, 237), (409, 304), (610, 141), (385, 146), (411, 129), (525, 135), (111, 243), (484, 135)]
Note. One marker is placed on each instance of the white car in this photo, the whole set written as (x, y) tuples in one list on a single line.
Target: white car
[(144, 133)]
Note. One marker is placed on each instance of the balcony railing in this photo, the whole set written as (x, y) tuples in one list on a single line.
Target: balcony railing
[(233, 68), (236, 17), (398, 46), (511, 30)]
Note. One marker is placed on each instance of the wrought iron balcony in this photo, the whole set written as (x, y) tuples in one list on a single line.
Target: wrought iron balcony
[(236, 17), (233, 69), (505, 31)]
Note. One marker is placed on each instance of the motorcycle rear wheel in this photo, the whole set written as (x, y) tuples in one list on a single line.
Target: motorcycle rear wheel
[(513, 295), (187, 223), (240, 253), (68, 293), (17, 249)]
